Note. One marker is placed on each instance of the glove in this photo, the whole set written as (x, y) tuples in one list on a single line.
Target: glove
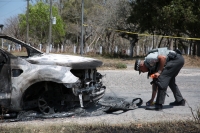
[(149, 103)]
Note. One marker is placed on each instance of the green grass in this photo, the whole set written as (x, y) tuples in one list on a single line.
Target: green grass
[(121, 65), (162, 127)]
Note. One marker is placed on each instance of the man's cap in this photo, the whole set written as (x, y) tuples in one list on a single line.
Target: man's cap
[(137, 65)]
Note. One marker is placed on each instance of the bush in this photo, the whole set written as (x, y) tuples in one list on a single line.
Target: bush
[(121, 65), (197, 117)]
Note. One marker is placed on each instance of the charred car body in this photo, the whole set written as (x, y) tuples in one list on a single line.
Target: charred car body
[(51, 83)]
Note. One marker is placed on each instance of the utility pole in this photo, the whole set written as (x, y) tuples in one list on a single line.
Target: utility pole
[(50, 28), (1, 26), (82, 27), (27, 23), (60, 7)]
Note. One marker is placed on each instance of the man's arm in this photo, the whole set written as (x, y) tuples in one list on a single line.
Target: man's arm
[(154, 92), (162, 61)]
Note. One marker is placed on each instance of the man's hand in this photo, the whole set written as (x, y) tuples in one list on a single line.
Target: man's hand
[(150, 103), (155, 75)]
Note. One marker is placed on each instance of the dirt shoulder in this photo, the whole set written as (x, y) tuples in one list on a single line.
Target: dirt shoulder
[(110, 64), (192, 61)]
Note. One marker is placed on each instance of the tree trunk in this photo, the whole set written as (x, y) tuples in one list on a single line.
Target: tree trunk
[(175, 40), (131, 48), (132, 44), (190, 48), (194, 48), (160, 42), (198, 48), (171, 44)]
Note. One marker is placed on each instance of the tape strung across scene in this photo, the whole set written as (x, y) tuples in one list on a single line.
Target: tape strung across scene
[(187, 38)]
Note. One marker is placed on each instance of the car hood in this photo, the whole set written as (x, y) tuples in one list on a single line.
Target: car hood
[(75, 62)]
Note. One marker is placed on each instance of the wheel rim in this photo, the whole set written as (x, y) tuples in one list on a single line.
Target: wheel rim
[(48, 103)]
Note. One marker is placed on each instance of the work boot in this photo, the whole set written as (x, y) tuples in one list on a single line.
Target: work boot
[(175, 103), (158, 107)]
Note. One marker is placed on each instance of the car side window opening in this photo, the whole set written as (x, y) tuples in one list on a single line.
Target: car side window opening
[(15, 49)]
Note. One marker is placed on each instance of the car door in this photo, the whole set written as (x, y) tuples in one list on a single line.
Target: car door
[(5, 73)]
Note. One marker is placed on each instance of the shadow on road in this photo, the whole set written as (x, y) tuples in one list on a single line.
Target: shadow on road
[(153, 108)]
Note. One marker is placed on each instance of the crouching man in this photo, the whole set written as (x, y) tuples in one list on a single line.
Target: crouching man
[(165, 65)]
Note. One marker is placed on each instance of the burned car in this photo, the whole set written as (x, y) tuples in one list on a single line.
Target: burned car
[(50, 83)]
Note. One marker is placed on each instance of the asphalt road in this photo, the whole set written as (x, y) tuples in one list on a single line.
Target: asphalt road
[(128, 84)]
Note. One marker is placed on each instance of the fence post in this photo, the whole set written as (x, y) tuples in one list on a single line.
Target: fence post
[(74, 49), (100, 50), (40, 47), (13, 48), (50, 49), (9, 48), (116, 49), (128, 52), (137, 50), (20, 48), (61, 48), (188, 50), (58, 48)]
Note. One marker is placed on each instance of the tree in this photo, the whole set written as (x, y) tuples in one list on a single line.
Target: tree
[(39, 23), (186, 17), (95, 19), (12, 27), (167, 17)]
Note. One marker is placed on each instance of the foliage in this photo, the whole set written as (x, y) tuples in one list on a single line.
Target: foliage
[(39, 23), (11, 27), (71, 14), (198, 116), (103, 17), (164, 127), (121, 65), (167, 17)]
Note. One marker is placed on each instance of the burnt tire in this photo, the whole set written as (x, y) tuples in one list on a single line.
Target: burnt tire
[(49, 102)]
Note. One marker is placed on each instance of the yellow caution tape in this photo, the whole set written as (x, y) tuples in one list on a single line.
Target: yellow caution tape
[(187, 38)]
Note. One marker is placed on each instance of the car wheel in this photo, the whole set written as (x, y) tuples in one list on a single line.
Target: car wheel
[(49, 102)]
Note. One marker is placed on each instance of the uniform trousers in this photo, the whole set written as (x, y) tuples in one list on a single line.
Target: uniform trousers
[(167, 78)]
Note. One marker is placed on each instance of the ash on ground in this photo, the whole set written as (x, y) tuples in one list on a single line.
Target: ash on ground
[(105, 105)]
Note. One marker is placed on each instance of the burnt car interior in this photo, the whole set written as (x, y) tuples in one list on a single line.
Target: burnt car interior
[(3, 58)]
